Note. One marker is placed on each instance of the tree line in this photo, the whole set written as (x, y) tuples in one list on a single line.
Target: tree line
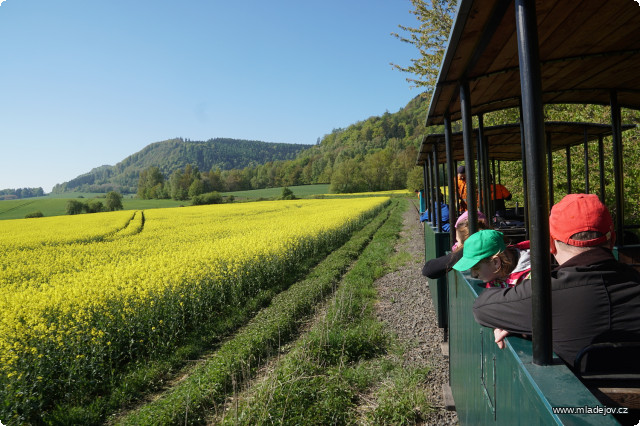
[(112, 202), (177, 153), (372, 155), (12, 194)]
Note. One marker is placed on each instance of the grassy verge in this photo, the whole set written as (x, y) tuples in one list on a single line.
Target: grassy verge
[(347, 369), (55, 204), (209, 383)]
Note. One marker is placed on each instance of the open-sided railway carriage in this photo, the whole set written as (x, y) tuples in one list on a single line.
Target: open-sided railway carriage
[(524, 54)]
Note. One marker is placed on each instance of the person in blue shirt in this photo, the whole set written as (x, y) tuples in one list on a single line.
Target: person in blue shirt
[(423, 202), (444, 211)]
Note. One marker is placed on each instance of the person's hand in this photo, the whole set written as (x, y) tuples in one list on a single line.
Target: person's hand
[(499, 335)]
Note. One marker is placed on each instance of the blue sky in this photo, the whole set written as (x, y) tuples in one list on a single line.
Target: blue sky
[(86, 83)]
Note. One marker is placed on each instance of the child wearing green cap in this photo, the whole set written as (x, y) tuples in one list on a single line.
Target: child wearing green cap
[(492, 261), (440, 266)]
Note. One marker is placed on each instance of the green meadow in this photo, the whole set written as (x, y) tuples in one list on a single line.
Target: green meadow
[(55, 204), (300, 191)]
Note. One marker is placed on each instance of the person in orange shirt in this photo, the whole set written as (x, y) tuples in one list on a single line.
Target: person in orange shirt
[(462, 190), (498, 195)]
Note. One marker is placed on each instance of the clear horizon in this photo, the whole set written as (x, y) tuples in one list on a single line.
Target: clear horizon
[(87, 84)]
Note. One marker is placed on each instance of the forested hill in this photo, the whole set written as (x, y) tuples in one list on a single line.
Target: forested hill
[(174, 154), (378, 153), (374, 154)]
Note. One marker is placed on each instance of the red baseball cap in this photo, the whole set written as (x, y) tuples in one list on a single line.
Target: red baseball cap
[(579, 213)]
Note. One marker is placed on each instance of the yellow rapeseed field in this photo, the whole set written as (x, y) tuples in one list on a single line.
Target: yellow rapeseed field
[(82, 295)]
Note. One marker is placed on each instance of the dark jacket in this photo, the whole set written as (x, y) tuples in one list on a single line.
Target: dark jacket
[(438, 267), (594, 299)]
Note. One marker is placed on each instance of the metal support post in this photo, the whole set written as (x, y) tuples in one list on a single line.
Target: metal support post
[(616, 127), (437, 210), (451, 178), (601, 165), (467, 140), (550, 168), (586, 160), (538, 202)]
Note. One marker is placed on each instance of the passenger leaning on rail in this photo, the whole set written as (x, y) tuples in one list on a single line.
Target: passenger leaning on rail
[(594, 297), (444, 214), (492, 261), (438, 267)]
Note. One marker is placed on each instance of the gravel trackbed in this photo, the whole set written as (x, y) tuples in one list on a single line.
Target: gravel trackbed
[(405, 307)]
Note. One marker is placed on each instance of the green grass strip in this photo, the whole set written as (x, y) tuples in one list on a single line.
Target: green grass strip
[(239, 358)]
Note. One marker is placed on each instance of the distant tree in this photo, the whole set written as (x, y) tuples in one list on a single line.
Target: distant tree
[(376, 170), (74, 207), (290, 174), (177, 190), (430, 38), (93, 206), (347, 177), (287, 194), (415, 180), (261, 179), (21, 193), (181, 180), (325, 175), (34, 214), (149, 183), (401, 165), (113, 201), (196, 188), (306, 177), (213, 180), (159, 191), (208, 198), (234, 180)]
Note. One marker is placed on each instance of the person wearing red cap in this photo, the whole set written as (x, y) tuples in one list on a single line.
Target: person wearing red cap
[(595, 298)]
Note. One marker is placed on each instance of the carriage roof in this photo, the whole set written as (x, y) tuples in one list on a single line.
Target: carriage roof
[(586, 49)]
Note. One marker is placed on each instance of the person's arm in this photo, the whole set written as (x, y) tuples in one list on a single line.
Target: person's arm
[(506, 309), (438, 267)]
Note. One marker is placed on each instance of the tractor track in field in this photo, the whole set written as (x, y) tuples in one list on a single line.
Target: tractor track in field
[(406, 309)]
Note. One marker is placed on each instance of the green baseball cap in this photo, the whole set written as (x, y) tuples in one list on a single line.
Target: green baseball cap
[(479, 246)]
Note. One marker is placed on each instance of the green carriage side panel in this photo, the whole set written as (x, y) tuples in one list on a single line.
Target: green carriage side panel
[(437, 244), (504, 387)]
